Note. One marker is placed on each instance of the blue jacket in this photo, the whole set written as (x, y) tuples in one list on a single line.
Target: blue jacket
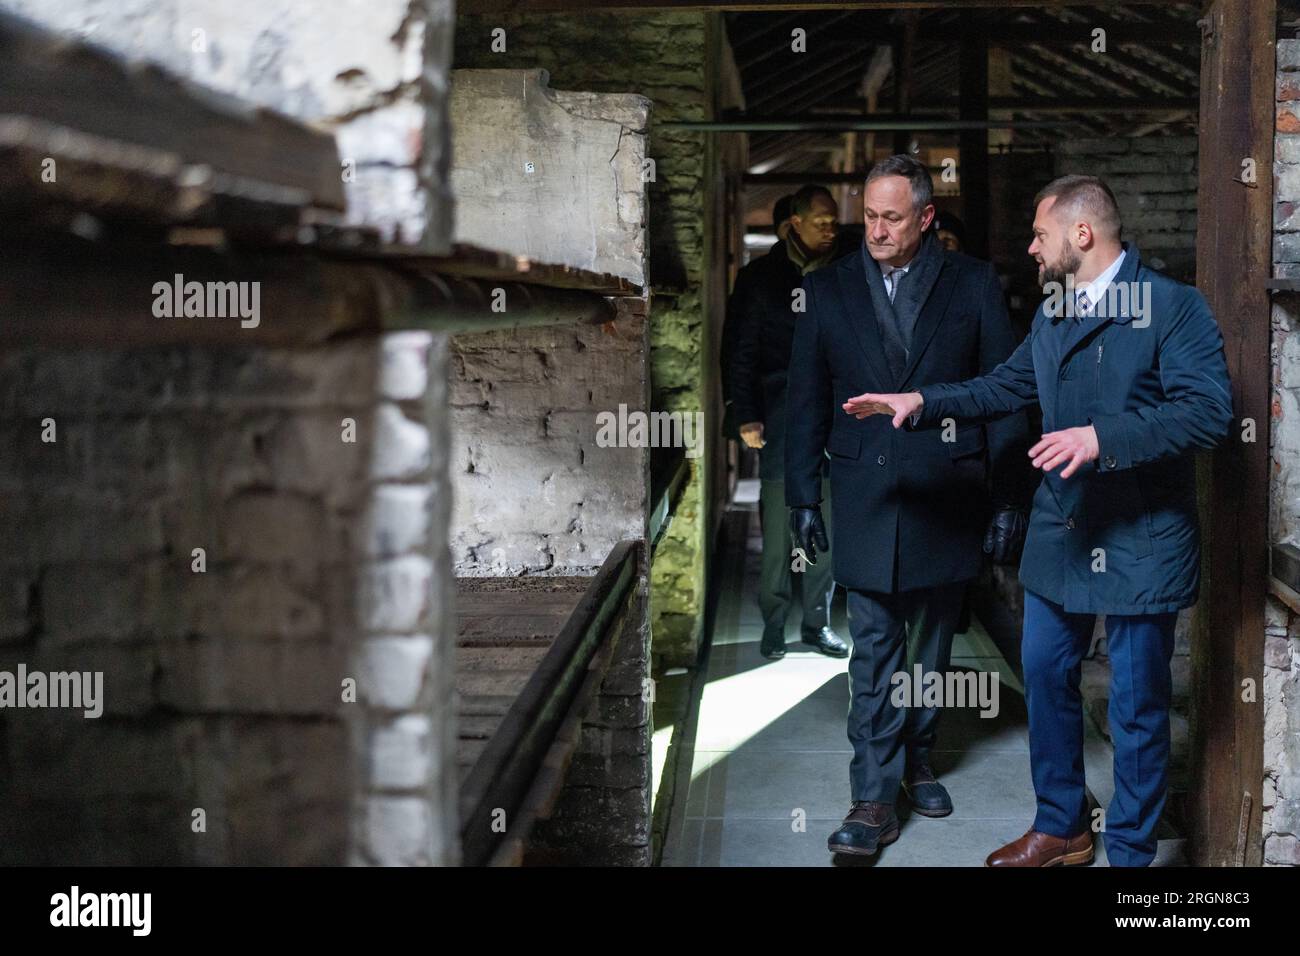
[(1120, 535)]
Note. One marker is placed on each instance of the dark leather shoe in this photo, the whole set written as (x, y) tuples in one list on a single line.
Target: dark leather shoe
[(772, 646), (828, 642), (869, 826), (929, 797), (1042, 849)]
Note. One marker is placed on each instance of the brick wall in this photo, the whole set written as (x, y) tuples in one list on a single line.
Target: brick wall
[(1281, 691), (534, 493), (1154, 181), (323, 560)]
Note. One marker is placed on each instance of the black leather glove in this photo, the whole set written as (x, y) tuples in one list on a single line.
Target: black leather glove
[(809, 531), (1005, 537)]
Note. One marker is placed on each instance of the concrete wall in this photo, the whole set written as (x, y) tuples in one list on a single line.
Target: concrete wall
[(1154, 181), (324, 559), (662, 56), (373, 73), (556, 175), (1281, 692)]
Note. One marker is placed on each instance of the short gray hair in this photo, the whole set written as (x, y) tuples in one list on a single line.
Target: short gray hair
[(911, 169), (1084, 198)]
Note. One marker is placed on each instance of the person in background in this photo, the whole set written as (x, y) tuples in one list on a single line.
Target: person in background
[(950, 230), (735, 317), (766, 305)]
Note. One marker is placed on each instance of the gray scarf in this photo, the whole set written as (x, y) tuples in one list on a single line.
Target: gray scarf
[(896, 320)]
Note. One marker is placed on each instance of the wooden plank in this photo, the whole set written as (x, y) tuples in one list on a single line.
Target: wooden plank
[(485, 706), (974, 172), (104, 297), (87, 89), (467, 753), (544, 791), (475, 262), (477, 726), (1233, 261), (503, 774), (525, 603), (492, 683), (508, 628), (497, 658)]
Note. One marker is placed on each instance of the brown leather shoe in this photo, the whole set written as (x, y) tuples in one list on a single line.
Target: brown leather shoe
[(1042, 849)]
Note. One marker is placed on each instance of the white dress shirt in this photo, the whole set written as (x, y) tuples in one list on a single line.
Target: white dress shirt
[(1098, 286)]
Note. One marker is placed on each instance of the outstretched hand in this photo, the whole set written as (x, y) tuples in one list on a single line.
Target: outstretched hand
[(1078, 446), (901, 407)]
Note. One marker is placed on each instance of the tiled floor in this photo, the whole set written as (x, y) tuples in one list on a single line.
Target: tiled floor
[(769, 758)]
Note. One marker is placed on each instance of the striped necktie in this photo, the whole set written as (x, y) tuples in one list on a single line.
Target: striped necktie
[(1082, 305)]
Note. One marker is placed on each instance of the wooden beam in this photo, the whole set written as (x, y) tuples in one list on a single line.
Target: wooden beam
[(974, 107), (75, 100), (779, 44), (1233, 263), (105, 296), (766, 6), (1040, 103), (1074, 36), (877, 122)]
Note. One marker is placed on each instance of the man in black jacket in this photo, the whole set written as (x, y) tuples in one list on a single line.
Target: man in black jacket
[(766, 299), (912, 513), (738, 310)]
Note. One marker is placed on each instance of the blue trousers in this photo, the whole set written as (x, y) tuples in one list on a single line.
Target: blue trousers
[(1140, 646)]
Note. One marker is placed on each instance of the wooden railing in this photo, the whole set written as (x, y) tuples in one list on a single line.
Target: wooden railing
[(520, 773)]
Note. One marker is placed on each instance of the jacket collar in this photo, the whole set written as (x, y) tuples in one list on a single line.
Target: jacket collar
[(932, 267), (1121, 301)]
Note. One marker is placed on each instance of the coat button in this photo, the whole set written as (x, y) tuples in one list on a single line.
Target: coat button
[(1110, 461), (880, 460), (1069, 524)]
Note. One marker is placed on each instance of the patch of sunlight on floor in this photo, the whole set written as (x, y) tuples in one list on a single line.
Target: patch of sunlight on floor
[(739, 707)]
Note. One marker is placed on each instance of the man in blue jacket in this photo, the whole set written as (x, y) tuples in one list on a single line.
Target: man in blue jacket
[(1128, 367)]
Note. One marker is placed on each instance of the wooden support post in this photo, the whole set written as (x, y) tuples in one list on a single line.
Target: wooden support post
[(974, 105), (1233, 263)]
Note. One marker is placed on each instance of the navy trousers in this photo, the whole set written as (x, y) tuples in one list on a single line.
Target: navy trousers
[(1140, 646), (891, 634)]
